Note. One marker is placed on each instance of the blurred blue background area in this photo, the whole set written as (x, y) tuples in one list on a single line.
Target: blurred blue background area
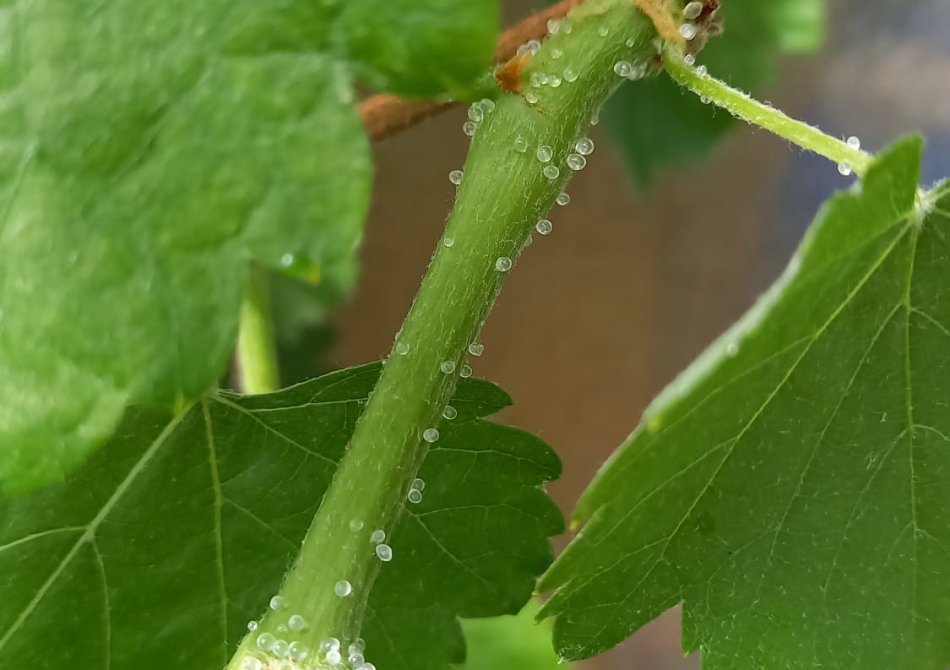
[(884, 72)]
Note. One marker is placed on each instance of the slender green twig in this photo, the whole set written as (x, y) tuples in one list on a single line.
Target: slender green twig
[(256, 350), (849, 158)]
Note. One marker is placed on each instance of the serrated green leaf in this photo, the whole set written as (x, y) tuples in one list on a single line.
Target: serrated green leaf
[(149, 150), (656, 125), (792, 488), (157, 552)]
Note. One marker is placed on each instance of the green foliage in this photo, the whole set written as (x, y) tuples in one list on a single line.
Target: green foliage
[(792, 488), (150, 149), (157, 552), (657, 124), (510, 642)]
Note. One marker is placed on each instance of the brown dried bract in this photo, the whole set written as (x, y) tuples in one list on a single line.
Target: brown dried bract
[(508, 74), (659, 12)]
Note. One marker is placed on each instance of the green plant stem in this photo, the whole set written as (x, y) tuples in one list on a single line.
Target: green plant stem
[(257, 350), (503, 194), (744, 107)]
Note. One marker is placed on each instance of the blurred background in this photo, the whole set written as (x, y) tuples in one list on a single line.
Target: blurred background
[(637, 277)]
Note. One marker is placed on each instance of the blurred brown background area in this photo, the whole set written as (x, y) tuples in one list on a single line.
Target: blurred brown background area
[(632, 285)]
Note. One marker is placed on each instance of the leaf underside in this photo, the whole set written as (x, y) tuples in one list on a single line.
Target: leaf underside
[(149, 151), (159, 550), (792, 488)]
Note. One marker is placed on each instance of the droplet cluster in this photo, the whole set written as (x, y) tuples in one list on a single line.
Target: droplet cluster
[(477, 113), (415, 491)]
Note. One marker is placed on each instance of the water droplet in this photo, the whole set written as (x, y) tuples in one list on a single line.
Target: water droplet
[(448, 241), (690, 60), (475, 113), (732, 349), (566, 26), (384, 552), (447, 367), (534, 46), (595, 119), (570, 75), (544, 226), (280, 649), (415, 496), (551, 172), (418, 484), (688, 31), (703, 99), (563, 199), (553, 26), (343, 588), (844, 168), (576, 162), (584, 146), (503, 264), (544, 153), (296, 623), (488, 105), (367, 666), (277, 603), (281, 628), (358, 646), (356, 525), (469, 128), (355, 659), (377, 536), (287, 260), (455, 176), (521, 145), (630, 43), (330, 644), (531, 97), (265, 641), (603, 31), (623, 68), (476, 349), (252, 626), (465, 372), (692, 10), (554, 81), (854, 142), (402, 348), (556, 53), (430, 435), (450, 412), (249, 663), (298, 651), (333, 657), (701, 71)]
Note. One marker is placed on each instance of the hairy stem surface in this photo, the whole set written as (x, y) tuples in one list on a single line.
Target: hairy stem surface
[(519, 161), (741, 105)]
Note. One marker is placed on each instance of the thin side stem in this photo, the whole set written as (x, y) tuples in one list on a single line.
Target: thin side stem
[(257, 350), (742, 106)]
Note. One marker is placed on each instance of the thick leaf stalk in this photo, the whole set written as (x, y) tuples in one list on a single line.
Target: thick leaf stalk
[(523, 152)]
